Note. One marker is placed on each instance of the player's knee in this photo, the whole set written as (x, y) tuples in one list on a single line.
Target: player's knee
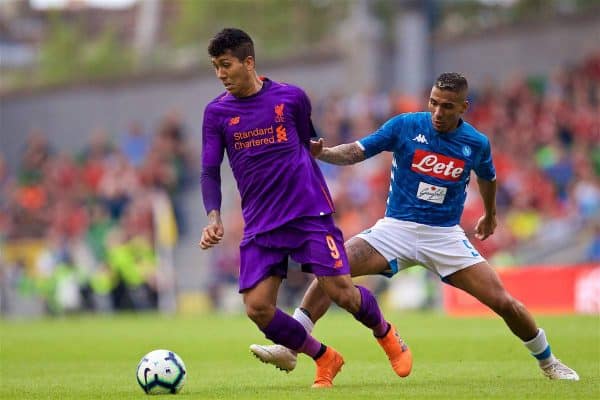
[(260, 313), (506, 305)]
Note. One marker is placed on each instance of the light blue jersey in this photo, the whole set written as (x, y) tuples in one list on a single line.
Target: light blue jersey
[(430, 170)]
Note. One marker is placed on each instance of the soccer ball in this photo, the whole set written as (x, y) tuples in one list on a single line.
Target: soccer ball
[(161, 371)]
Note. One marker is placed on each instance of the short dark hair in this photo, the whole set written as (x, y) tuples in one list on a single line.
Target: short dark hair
[(231, 39), (452, 81)]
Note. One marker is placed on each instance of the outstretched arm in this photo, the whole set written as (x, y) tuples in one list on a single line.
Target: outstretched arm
[(343, 154)]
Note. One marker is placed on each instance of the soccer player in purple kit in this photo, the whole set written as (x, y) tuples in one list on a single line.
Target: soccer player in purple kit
[(265, 127), (434, 154)]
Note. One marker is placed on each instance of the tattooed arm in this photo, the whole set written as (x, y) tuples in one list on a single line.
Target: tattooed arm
[(344, 154)]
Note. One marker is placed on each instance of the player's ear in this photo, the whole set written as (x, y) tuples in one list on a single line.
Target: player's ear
[(249, 63)]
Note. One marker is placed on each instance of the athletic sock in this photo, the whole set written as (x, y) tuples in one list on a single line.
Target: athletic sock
[(540, 349), (312, 347), (288, 332), (369, 313), (322, 351), (301, 316)]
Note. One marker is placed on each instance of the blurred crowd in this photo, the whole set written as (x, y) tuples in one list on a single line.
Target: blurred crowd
[(81, 230)]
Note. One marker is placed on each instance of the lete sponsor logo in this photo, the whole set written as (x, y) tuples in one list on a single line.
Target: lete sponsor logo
[(437, 165)]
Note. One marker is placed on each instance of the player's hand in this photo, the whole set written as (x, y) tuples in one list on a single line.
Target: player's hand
[(211, 235), (316, 147), (485, 227)]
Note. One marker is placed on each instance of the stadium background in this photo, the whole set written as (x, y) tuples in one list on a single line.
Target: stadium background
[(100, 120)]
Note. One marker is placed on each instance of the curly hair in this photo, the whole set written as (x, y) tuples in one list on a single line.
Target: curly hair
[(234, 40)]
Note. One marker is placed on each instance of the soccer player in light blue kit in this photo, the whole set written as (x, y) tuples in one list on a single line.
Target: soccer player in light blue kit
[(265, 127), (434, 154)]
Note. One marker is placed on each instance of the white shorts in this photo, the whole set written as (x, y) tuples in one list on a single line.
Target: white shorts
[(440, 249)]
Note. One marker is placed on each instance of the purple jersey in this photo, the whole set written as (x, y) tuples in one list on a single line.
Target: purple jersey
[(267, 137)]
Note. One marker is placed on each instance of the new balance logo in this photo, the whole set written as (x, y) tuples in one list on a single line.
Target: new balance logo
[(420, 138)]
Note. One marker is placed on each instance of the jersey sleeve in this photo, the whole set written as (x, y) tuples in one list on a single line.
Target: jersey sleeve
[(484, 168), (384, 138), (213, 148), (304, 125)]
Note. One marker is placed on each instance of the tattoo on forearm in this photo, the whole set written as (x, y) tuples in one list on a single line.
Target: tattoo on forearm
[(344, 154)]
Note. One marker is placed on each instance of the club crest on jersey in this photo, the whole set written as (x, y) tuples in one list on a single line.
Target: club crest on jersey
[(279, 113), (437, 165), (234, 120), (466, 150)]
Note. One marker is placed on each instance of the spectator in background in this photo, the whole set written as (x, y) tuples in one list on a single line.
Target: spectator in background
[(94, 159), (133, 267), (586, 193), (6, 187), (593, 250), (99, 228), (34, 158), (118, 185), (99, 145), (135, 144), (175, 147), (174, 150)]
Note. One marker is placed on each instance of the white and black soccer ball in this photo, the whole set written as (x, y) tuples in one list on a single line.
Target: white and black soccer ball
[(160, 372)]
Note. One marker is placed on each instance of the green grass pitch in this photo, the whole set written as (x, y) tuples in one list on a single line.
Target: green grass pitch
[(94, 357)]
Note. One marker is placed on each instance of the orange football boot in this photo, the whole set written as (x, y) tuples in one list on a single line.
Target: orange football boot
[(328, 366), (397, 351)]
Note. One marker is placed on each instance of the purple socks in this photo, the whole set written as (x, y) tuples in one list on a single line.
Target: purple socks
[(288, 332), (369, 313)]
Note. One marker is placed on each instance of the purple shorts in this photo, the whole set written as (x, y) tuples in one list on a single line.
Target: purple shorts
[(314, 242)]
